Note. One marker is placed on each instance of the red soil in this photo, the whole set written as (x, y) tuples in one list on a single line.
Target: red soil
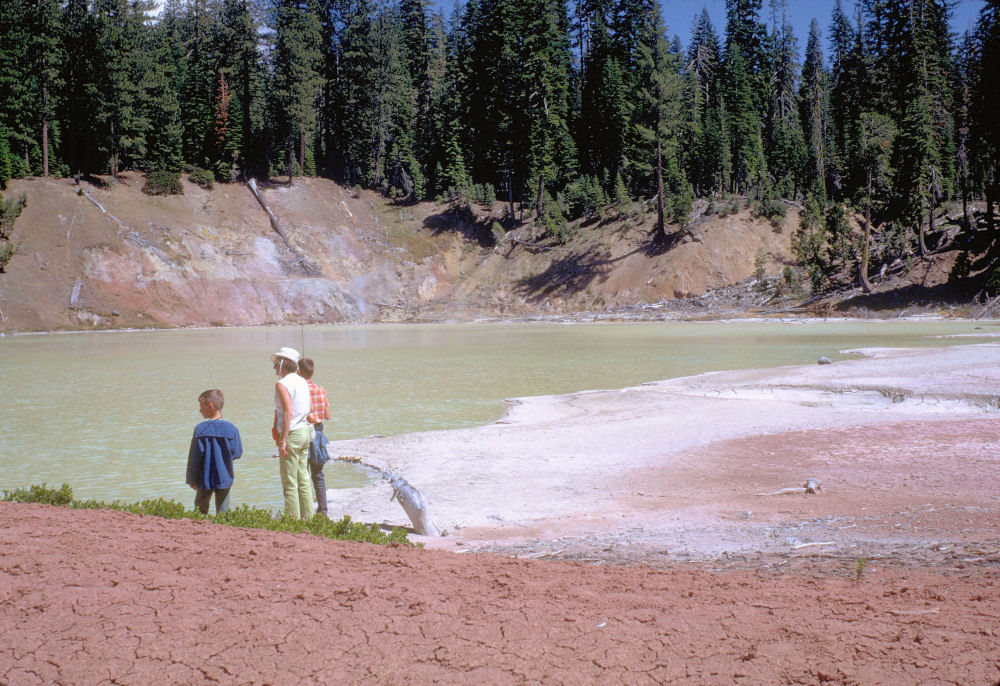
[(105, 597)]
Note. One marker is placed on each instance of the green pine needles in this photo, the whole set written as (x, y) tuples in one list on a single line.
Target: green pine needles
[(243, 516)]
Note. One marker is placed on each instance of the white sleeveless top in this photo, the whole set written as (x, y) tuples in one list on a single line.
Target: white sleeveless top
[(298, 391)]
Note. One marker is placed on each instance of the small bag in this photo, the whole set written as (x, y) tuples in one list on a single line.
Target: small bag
[(318, 454)]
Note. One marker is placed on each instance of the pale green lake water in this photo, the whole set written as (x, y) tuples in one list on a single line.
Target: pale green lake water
[(112, 413)]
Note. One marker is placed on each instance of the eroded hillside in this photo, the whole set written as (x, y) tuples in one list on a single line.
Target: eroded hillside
[(114, 257)]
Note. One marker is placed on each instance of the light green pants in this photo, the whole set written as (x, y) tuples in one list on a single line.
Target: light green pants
[(296, 482)]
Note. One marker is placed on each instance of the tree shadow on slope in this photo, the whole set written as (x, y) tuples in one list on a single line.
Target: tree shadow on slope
[(570, 274), (905, 296), (660, 244), (462, 221)]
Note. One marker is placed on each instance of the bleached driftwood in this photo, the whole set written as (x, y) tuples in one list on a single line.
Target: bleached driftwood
[(810, 486), (307, 268), (407, 496), (252, 185)]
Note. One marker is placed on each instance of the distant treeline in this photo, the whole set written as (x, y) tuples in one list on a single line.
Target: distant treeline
[(555, 106)]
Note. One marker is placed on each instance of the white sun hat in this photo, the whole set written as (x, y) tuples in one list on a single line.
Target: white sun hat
[(287, 353)]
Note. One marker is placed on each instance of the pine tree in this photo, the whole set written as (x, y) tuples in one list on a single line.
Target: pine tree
[(17, 104), (395, 101), (239, 62), (784, 145), (76, 109), (926, 141), (984, 128), (744, 29), (546, 59), (354, 107), (656, 119), (813, 103), (604, 107), (704, 144), (847, 79), (745, 135), (876, 134), (162, 108), (297, 83), (45, 55), (121, 54), (417, 50)]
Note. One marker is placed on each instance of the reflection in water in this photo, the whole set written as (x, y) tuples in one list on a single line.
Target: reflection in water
[(112, 413)]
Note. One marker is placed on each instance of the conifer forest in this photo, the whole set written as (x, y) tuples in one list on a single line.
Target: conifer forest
[(554, 107)]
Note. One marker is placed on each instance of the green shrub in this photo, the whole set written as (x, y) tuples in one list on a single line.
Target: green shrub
[(791, 282), (554, 221), (40, 494), (993, 283), (242, 516), (498, 233), (680, 204), (759, 263), (6, 253), (201, 177), (310, 162), (584, 197), (5, 160), (485, 194), (162, 182), (771, 208)]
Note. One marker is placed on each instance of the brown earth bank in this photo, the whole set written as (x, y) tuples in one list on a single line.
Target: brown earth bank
[(102, 254), (101, 597)]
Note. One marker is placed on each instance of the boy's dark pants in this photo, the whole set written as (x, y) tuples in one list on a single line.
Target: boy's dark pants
[(319, 481), (203, 498)]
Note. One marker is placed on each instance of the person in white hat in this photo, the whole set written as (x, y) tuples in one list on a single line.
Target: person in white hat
[(292, 433)]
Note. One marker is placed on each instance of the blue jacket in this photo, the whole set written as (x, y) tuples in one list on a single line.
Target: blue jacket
[(317, 449), (214, 446)]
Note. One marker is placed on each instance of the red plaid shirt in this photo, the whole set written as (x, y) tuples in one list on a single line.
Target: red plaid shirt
[(318, 405)]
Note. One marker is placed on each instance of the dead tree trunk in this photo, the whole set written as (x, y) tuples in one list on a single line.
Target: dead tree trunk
[(407, 496), (661, 227), (45, 129), (866, 250), (302, 148), (539, 205), (510, 195)]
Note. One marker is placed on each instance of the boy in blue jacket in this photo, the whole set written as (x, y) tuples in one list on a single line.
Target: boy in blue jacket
[(214, 446)]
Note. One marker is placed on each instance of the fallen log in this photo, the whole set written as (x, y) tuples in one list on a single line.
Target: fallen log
[(407, 496)]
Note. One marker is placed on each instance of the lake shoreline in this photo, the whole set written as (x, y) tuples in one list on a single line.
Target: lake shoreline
[(668, 459)]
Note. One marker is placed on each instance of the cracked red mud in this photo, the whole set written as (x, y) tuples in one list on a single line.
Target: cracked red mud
[(94, 597)]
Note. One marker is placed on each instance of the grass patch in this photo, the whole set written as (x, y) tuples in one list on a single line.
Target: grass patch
[(243, 516)]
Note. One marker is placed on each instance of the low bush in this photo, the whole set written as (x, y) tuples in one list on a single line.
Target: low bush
[(243, 516), (201, 177), (40, 494), (993, 283), (771, 208), (163, 182), (584, 197)]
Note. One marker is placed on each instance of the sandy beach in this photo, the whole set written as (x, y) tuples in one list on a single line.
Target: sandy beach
[(656, 545)]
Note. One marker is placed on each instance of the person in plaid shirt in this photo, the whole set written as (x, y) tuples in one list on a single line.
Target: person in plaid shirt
[(319, 410)]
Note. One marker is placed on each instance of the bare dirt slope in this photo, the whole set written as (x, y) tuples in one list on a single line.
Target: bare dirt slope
[(210, 257)]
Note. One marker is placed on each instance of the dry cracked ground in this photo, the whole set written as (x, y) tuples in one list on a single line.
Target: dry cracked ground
[(101, 597)]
